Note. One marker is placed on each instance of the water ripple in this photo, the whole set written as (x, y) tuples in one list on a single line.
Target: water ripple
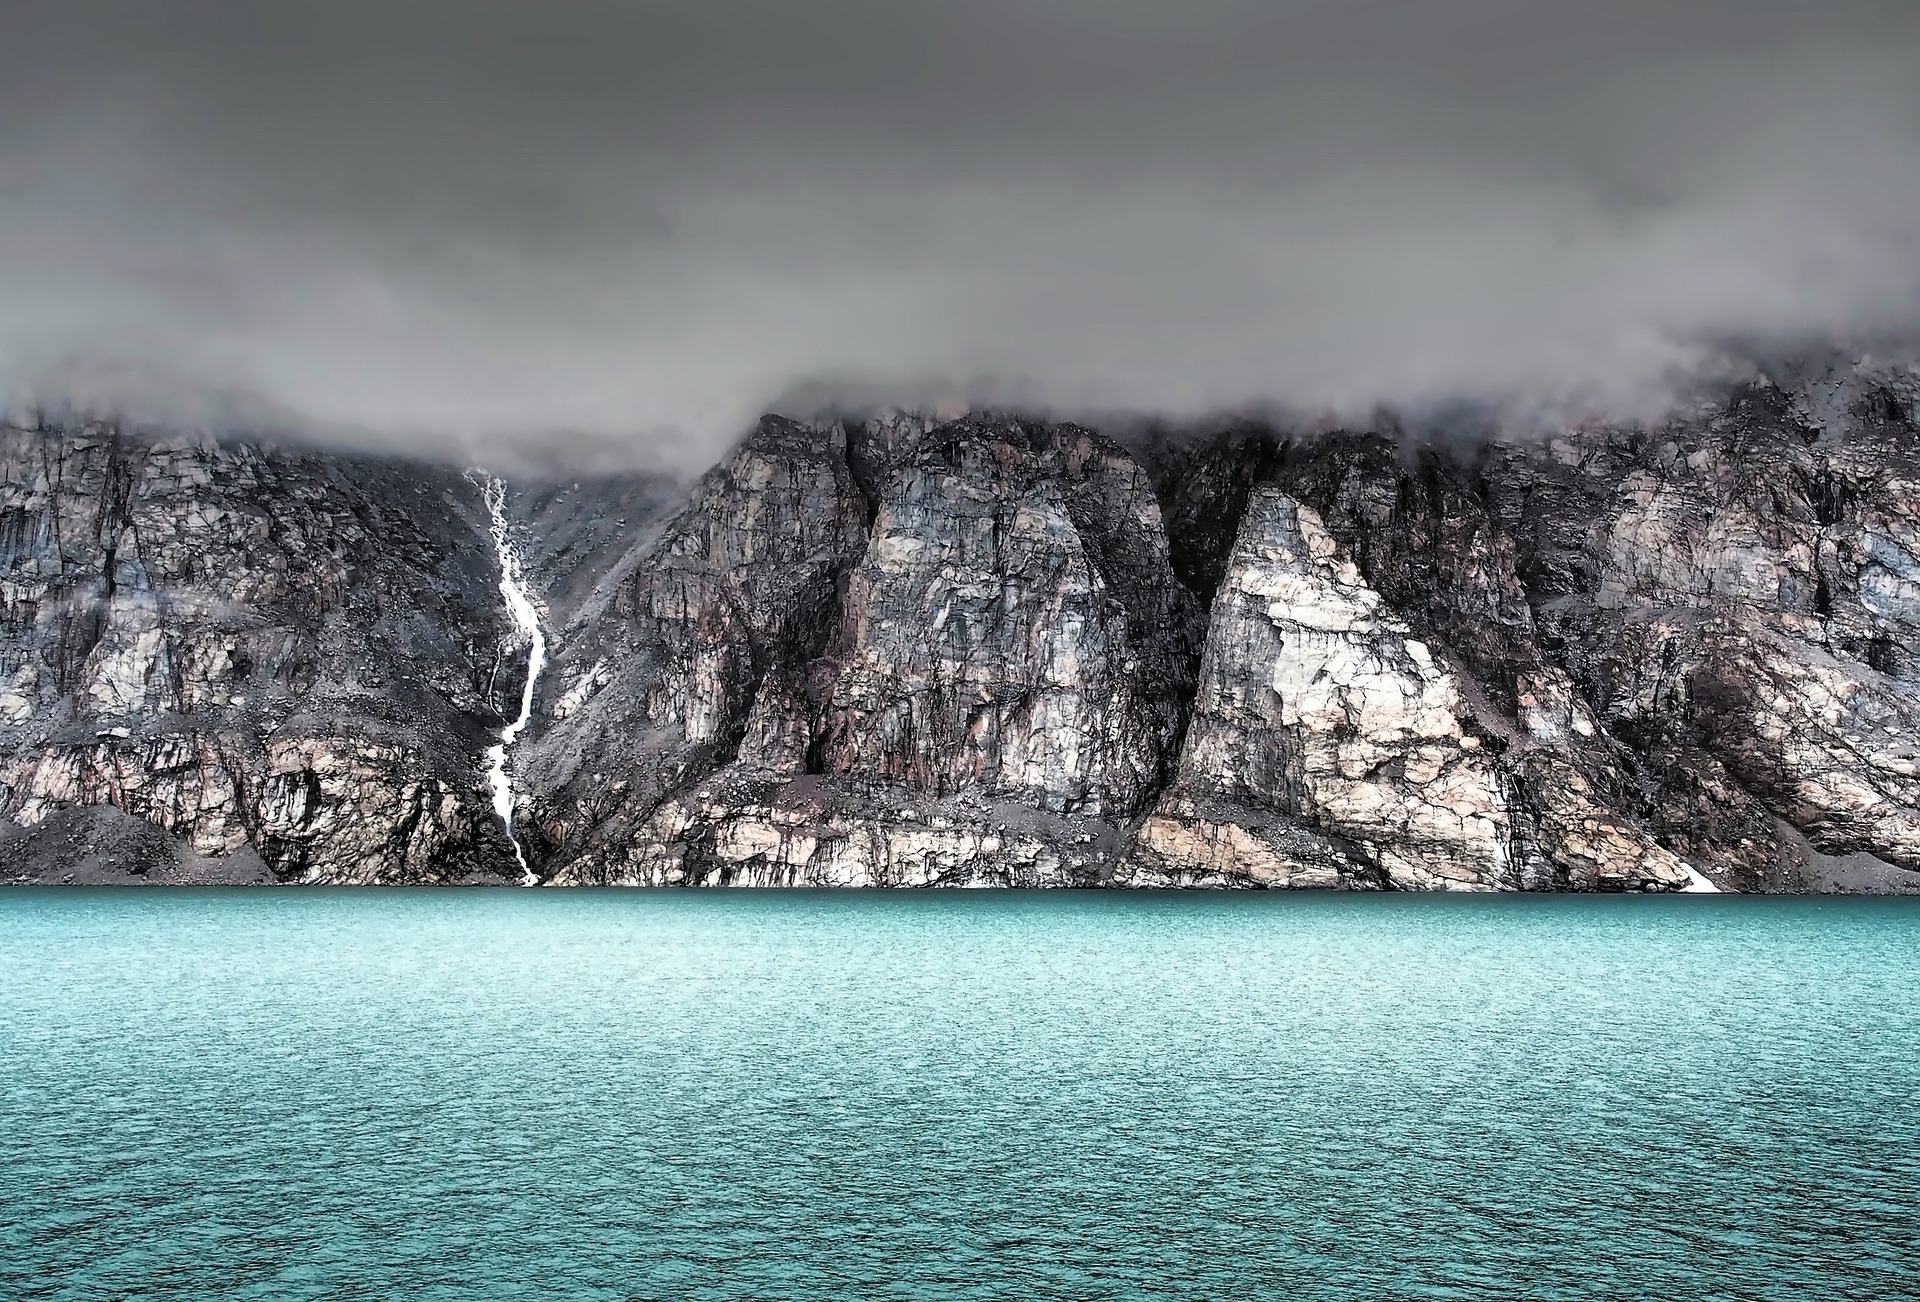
[(461, 1095)]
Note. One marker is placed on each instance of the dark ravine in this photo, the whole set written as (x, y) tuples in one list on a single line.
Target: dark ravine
[(989, 651)]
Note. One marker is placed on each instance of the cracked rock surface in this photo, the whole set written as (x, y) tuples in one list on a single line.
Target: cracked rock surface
[(911, 650), (969, 658), (284, 656)]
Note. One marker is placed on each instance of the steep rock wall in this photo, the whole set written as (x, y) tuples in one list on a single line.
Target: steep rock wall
[(922, 651), (1001, 687), (289, 653)]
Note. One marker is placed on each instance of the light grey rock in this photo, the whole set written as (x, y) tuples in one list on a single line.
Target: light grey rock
[(1329, 746), (259, 650), (914, 651), (998, 690), (1014, 627)]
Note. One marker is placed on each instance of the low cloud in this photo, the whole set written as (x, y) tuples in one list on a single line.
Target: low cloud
[(485, 225)]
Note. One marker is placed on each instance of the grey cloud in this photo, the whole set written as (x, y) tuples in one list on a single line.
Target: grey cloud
[(485, 222)]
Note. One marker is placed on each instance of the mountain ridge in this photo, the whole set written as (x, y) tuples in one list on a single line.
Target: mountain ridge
[(902, 650)]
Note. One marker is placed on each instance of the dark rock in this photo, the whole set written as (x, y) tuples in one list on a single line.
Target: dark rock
[(915, 651)]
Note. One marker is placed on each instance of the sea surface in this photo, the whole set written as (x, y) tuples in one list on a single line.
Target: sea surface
[(543, 1094)]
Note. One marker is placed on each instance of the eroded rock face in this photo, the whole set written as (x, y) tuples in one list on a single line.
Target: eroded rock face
[(655, 680), (1473, 668), (258, 650), (917, 651), (1726, 593), (1000, 687), (1329, 746)]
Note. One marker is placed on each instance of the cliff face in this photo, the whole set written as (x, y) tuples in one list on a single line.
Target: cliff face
[(992, 651), (287, 661), (970, 669), (1680, 645)]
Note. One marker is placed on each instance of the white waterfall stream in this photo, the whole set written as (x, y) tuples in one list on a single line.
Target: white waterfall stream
[(513, 588)]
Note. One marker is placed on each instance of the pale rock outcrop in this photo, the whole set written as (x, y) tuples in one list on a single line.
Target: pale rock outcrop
[(1320, 716)]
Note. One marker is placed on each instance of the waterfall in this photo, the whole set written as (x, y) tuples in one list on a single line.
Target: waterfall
[(513, 588)]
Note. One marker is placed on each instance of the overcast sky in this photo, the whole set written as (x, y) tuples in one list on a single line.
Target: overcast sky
[(491, 220)]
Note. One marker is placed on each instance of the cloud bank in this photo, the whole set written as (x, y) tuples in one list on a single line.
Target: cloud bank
[(479, 221)]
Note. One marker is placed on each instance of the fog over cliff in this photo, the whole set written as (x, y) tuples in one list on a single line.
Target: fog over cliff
[(424, 221)]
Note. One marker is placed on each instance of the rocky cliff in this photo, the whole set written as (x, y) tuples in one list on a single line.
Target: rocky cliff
[(907, 651), (286, 661)]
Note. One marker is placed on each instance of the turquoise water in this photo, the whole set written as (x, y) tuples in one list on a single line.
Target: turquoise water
[(518, 1094)]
